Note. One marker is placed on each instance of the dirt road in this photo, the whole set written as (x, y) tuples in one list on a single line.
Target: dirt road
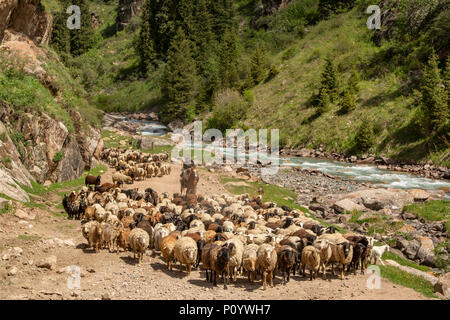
[(118, 277)]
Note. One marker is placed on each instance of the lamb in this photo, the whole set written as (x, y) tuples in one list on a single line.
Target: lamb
[(185, 252), (139, 241), (266, 262), (167, 249), (235, 263), (287, 261), (310, 259), (377, 253), (249, 261)]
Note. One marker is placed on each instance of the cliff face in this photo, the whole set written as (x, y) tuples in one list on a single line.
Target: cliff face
[(33, 145), (27, 17)]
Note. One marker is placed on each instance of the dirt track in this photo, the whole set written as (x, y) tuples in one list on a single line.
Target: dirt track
[(119, 276)]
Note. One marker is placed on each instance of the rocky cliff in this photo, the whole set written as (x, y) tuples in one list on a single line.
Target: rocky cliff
[(33, 145)]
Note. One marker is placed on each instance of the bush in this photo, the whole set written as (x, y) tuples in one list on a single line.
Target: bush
[(58, 156), (229, 108)]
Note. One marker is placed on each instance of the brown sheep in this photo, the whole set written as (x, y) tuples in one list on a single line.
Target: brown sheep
[(167, 249), (122, 239), (96, 237), (310, 259)]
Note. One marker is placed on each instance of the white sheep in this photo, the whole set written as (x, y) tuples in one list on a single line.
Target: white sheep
[(185, 252), (139, 241)]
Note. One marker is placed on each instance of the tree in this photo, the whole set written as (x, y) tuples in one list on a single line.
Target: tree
[(329, 79), (323, 101), (365, 136), (447, 80), (228, 60), (179, 83), (258, 65), (328, 7), (433, 97), (83, 39), (353, 82), (348, 102), (144, 45), (60, 40), (223, 16)]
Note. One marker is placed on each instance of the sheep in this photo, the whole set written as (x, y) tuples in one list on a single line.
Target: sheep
[(110, 235), (158, 235), (120, 178), (287, 261), (139, 241), (342, 253), (89, 213), (185, 252), (219, 254), (96, 237), (325, 252), (228, 226), (167, 249), (92, 180), (377, 253), (235, 263), (106, 187), (86, 228), (249, 261), (266, 262), (311, 259), (123, 239)]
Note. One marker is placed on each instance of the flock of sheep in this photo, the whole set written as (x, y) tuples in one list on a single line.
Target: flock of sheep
[(224, 235), (134, 165)]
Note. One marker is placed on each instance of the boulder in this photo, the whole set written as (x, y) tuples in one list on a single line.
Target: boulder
[(24, 215), (48, 263), (419, 195), (411, 249), (443, 285), (347, 205), (376, 199)]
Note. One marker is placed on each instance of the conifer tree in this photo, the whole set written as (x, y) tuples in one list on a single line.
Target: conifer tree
[(353, 82), (83, 39), (329, 79), (323, 101), (433, 97), (60, 40), (179, 84), (223, 15), (144, 45), (228, 60), (348, 101), (258, 65), (365, 136)]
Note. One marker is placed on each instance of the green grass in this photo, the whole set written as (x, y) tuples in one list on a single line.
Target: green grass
[(408, 280), (435, 210), (159, 149), (404, 262), (6, 209), (26, 237)]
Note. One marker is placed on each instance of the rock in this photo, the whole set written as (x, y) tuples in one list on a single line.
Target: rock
[(9, 187), (48, 263), (347, 205), (12, 271), (317, 207), (69, 243), (411, 249), (426, 243), (443, 285), (408, 216), (5, 203), (419, 195), (227, 168), (407, 229), (373, 204), (397, 252), (377, 199), (47, 183)]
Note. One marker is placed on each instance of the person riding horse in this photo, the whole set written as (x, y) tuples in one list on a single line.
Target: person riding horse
[(189, 178)]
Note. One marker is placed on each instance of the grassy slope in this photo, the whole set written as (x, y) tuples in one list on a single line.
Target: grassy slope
[(283, 102)]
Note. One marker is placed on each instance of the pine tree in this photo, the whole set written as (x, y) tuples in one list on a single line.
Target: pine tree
[(223, 17), (60, 40), (323, 101), (144, 46), (365, 136), (179, 84), (353, 82), (329, 79), (258, 65), (447, 81), (228, 60), (348, 102), (83, 39), (434, 100)]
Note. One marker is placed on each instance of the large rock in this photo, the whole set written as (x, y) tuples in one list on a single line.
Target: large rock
[(443, 285), (347, 205), (376, 199), (28, 17), (419, 195), (48, 263), (24, 215), (9, 187), (72, 165)]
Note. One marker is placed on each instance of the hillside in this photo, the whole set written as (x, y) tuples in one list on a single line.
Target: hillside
[(296, 41)]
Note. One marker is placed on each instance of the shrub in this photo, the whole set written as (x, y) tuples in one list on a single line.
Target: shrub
[(58, 156), (229, 108), (365, 136)]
